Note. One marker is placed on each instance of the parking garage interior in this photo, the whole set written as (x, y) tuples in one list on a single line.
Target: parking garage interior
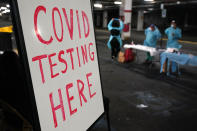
[(140, 98)]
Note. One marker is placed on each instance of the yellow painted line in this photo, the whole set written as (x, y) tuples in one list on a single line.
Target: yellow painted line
[(183, 41), (7, 29)]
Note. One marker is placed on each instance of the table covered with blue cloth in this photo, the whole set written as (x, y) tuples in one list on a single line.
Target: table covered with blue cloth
[(182, 59)]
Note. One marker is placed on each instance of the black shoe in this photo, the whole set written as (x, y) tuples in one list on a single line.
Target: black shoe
[(163, 75), (147, 62), (113, 57)]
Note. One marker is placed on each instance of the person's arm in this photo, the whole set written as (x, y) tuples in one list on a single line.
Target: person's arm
[(178, 34), (110, 24), (166, 31), (158, 34), (146, 31)]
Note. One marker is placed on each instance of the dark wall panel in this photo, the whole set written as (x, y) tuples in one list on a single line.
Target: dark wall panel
[(5, 41)]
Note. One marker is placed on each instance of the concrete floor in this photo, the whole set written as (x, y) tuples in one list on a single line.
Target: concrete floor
[(169, 103), (142, 100)]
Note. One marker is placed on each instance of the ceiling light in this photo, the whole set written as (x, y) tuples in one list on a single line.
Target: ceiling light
[(3, 8), (3, 12), (178, 2), (150, 9), (145, 12), (97, 5), (117, 2), (8, 5), (149, 0), (7, 10)]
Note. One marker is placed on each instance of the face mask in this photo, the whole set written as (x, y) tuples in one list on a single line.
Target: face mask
[(150, 28), (172, 26)]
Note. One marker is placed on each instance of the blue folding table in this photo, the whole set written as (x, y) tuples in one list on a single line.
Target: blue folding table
[(179, 59)]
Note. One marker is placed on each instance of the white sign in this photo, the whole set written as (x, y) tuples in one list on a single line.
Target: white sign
[(162, 6), (163, 13), (61, 50)]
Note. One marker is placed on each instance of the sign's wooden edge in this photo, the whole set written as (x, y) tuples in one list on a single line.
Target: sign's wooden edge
[(17, 28), (92, 6)]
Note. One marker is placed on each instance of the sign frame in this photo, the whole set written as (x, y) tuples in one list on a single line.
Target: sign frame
[(20, 41)]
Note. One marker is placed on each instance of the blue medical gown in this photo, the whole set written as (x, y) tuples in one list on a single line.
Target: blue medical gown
[(152, 37), (174, 58), (173, 40), (117, 28)]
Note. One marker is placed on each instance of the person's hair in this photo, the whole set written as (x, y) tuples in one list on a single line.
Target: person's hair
[(116, 23)]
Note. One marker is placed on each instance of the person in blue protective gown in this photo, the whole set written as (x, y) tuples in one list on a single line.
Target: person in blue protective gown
[(152, 36), (174, 34), (115, 27)]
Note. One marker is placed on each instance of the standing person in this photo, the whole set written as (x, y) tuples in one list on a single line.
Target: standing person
[(152, 35), (115, 26), (174, 34)]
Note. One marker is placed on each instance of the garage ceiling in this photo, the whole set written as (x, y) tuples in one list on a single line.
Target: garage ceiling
[(142, 3)]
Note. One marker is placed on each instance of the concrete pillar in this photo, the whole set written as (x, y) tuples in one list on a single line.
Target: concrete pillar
[(121, 11), (105, 19), (140, 20), (98, 19), (126, 9)]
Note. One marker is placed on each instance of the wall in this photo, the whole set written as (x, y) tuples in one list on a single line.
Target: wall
[(185, 17)]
